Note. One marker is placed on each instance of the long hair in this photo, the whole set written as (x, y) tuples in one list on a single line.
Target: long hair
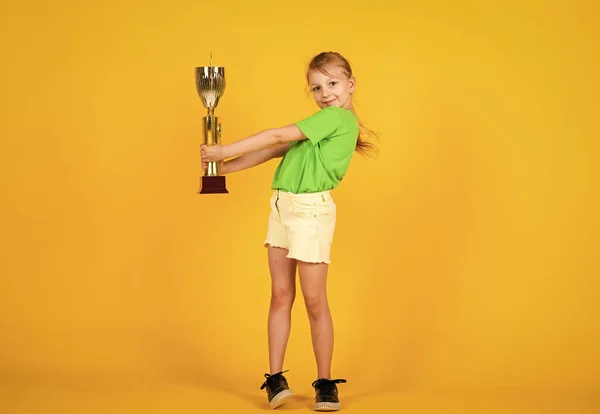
[(320, 62)]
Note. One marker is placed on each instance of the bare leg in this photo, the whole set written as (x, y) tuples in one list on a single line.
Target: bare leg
[(283, 293), (313, 280)]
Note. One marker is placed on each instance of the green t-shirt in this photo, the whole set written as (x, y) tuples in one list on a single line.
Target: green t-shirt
[(320, 162)]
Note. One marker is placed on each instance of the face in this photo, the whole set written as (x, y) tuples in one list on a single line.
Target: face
[(335, 89)]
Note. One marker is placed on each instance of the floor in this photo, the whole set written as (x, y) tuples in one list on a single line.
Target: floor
[(115, 397)]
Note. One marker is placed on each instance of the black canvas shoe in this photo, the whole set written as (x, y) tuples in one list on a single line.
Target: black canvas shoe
[(277, 389), (327, 394)]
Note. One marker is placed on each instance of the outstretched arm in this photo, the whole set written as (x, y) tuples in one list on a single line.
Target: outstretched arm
[(255, 158), (262, 140)]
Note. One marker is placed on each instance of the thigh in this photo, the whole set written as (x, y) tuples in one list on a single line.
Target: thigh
[(282, 269), (313, 280)]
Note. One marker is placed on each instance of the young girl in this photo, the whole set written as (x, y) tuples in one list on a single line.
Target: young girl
[(316, 153)]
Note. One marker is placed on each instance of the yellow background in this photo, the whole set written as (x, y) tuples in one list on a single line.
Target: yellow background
[(466, 253)]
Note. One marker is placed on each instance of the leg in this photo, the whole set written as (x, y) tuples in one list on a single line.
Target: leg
[(313, 280), (283, 293)]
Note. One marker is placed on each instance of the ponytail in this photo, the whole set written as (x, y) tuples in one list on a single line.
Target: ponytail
[(363, 146)]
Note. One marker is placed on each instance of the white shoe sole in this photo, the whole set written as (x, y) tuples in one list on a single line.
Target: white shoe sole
[(327, 406), (279, 398)]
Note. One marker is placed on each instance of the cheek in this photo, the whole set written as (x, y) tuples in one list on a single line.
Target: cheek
[(341, 90)]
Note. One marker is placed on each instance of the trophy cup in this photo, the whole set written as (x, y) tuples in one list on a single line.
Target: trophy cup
[(210, 84)]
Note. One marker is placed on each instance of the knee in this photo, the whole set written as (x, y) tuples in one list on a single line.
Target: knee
[(316, 306), (282, 298)]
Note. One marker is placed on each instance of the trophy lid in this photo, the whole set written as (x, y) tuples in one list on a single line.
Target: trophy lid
[(210, 84)]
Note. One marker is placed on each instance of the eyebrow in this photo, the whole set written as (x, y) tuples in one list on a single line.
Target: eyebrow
[(328, 80)]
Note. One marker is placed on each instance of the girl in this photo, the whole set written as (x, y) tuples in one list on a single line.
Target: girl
[(316, 153)]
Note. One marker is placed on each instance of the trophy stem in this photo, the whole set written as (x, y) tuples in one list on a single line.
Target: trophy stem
[(211, 136), (212, 182)]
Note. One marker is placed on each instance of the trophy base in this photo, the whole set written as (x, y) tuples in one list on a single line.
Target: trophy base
[(213, 184)]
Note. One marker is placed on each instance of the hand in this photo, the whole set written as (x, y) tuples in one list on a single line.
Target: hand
[(212, 152), (205, 161), (220, 166)]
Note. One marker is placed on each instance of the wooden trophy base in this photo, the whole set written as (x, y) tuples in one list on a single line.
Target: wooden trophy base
[(213, 184)]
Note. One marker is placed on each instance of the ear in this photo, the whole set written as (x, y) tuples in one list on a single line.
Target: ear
[(352, 84)]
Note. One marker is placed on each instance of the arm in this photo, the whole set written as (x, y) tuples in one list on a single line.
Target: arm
[(255, 158), (265, 139)]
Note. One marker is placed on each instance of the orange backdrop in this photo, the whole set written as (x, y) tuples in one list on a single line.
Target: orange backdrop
[(466, 253)]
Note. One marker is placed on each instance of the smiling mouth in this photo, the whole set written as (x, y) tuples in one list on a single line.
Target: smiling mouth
[(329, 101)]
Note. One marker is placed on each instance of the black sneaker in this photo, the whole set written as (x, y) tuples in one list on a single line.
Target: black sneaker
[(327, 394), (277, 389)]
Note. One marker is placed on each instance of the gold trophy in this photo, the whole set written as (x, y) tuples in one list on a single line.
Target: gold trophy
[(210, 84)]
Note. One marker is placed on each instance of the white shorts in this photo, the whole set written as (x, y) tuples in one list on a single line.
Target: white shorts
[(303, 224)]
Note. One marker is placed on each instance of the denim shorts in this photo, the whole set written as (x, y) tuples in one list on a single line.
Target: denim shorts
[(302, 223)]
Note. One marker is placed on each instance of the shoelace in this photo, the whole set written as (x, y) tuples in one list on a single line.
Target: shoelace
[(325, 381), (267, 376)]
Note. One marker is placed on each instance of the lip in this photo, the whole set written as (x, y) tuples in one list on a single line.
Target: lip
[(329, 102)]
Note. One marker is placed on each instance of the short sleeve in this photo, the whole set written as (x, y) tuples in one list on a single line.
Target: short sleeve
[(320, 125)]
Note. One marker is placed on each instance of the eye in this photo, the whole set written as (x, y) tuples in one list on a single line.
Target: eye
[(333, 83), (316, 88)]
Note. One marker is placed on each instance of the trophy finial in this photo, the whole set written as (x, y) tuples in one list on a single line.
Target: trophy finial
[(211, 59)]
